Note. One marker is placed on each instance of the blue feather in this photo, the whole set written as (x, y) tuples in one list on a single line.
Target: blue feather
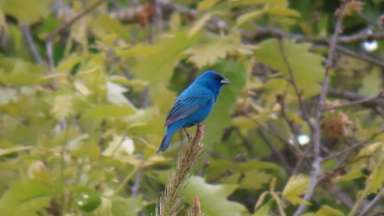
[(193, 105)]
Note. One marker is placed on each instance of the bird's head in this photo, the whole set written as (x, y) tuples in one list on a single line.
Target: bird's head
[(211, 80)]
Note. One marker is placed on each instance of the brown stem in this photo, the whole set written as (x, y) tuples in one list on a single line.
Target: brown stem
[(169, 202)]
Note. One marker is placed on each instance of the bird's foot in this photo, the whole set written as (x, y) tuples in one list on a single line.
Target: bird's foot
[(200, 128), (189, 137)]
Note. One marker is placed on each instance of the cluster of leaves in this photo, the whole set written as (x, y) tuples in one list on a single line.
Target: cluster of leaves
[(79, 131)]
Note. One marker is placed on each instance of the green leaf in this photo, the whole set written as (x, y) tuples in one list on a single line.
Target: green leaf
[(105, 26), (283, 11), (126, 206), (295, 188), (62, 107), (101, 111), (328, 211), (254, 179), (206, 4), (219, 119), (27, 12), (217, 48), (258, 2), (25, 198), (199, 24), (17, 72), (371, 83), (376, 180), (7, 95), (249, 16), (212, 197), (264, 210), (155, 63), (306, 66)]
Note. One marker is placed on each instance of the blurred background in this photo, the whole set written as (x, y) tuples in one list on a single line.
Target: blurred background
[(85, 86)]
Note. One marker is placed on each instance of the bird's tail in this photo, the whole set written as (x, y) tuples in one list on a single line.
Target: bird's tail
[(167, 138)]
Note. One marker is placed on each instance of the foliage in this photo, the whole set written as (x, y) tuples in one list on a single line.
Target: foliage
[(85, 87)]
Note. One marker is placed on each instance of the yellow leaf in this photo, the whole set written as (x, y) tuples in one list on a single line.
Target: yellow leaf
[(328, 211), (295, 188), (257, 2), (101, 111), (306, 67), (175, 22), (155, 63), (264, 210), (27, 12), (199, 24), (376, 180), (249, 16), (283, 11), (209, 53), (371, 149), (62, 106), (206, 4)]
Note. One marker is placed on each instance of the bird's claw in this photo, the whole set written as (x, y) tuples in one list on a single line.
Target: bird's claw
[(189, 137)]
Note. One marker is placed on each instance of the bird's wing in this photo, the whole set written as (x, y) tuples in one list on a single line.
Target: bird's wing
[(187, 106)]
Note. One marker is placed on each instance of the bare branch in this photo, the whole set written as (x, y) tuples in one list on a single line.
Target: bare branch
[(371, 205), (316, 127), (354, 103), (293, 82), (74, 19), (49, 50), (63, 27), (279, 155), (378, 101), (362, 56), (26, 31)]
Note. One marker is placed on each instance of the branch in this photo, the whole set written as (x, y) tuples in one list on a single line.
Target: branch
[(316, 127), (63, 27), (361, 36), (169, 202), (292, 80), (279, 155), (195, 209), (26, 31), (362, 56), (376, 101), (356, 102), (74, 19), (372, 204)]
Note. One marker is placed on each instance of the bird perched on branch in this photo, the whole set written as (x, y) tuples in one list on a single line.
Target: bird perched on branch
[(193, 105)]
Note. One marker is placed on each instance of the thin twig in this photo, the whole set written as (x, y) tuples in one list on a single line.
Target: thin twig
[(293, 82), (351, 96), (26, 31), (371, 205), (74, 19), (316, 128), (136, 185), (49, 50), (63, 27), (362, 56), (280, 156), (353, 103), (342, 152)]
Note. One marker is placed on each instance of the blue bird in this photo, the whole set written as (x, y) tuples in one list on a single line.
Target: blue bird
[(193, 104)]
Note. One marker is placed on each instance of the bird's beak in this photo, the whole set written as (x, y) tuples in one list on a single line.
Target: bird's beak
[(225, 81)]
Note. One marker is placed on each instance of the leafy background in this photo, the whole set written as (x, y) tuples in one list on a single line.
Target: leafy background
[(85, 87)]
